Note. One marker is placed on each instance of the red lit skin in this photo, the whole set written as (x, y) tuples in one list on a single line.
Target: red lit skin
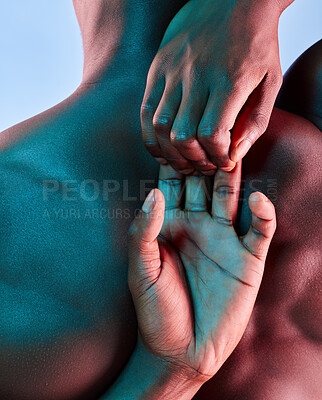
[(94, 134), (195, 287), (200, 118)]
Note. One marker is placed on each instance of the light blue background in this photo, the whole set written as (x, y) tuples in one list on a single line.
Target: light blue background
[(41, 51)]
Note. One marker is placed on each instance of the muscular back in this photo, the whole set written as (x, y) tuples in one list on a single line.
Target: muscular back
[(280, 355), (70, 325), (67, 324)]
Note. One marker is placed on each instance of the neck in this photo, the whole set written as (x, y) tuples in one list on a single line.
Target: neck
[(122, 30)]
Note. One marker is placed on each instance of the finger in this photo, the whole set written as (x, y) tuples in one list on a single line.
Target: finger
[(226, 195), (216, 123), (184, 130), (152, 96), (171, 185), (196, 193), (147, 225), (144, 254), (254, 117), (259, 236), (162, 123)]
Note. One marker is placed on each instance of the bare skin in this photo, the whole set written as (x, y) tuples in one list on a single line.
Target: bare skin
[(82, 349), (192, 298), (279, 355), (196, 117), (193, 280)]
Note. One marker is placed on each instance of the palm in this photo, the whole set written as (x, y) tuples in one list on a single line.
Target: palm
[(195, 286), (199, 236), (222, 273)]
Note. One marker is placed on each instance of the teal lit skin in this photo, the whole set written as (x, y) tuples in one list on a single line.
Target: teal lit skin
[(213, 83), (64, 280), (68, 324)]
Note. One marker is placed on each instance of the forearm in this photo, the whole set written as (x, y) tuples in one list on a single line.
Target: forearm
[(147, 377)]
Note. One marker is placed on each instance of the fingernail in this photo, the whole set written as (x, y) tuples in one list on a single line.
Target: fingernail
[(257, 197), (227, 169), (148, 204), (186, 171), (240, 150), (209, 172), (161, 160)]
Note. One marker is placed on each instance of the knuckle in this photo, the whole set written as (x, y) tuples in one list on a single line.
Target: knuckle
[(262, 231), (162, 124), (260, 122), (147, 110), (211, 135), (216, 143), (182, 139), (225, 190), (205, 134), (223, 220), (132, 232), (150, 143)]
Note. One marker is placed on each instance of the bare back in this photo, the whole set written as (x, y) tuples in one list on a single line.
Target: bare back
[(69, 325)]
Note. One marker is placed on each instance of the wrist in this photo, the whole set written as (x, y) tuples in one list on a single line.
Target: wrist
[(147, 376), (168, 378)]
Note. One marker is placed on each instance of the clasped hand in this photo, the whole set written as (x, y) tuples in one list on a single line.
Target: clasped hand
[(212, 85)]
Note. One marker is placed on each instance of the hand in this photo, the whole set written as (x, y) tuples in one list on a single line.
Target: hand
[(195, 286), (213, 83)]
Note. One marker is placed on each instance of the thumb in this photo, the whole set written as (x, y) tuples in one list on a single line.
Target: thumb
[(253, 119), (144, 254), (261, 231), (148, 223)]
